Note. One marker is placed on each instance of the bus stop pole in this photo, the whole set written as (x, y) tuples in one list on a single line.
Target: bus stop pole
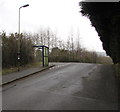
[(43, 56)]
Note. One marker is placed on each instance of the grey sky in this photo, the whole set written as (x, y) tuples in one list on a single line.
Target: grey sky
[(59, 15)]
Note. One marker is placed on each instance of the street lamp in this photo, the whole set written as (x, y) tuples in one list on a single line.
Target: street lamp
[(19, 35), (19, 16)]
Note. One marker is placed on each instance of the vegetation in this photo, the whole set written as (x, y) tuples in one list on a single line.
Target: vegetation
[(15, 69), (59, 51), (105, 17), (10, 50), (81, 55)]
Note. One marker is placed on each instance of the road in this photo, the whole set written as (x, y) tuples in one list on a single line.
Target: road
[(68, 86)]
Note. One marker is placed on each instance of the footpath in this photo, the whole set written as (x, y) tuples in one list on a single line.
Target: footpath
[(8, 78)]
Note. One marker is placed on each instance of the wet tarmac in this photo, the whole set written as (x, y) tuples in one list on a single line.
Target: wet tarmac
[(67, 86)]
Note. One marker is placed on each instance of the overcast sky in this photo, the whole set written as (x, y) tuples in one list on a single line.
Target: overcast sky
[(61, 16)]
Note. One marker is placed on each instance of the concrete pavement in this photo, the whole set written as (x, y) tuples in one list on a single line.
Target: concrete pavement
[(8, 78)]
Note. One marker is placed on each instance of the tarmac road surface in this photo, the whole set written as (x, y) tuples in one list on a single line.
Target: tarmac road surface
[(67, 86)]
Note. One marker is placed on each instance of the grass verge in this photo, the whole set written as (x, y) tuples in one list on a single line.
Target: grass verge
[(15, 69)]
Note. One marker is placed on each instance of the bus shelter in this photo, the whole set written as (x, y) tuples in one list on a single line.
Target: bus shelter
[(45, 54)]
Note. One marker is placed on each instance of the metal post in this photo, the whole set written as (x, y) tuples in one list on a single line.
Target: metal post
[(19, 21), (19, 40), (43, 56), (48, 55), (19, 36)]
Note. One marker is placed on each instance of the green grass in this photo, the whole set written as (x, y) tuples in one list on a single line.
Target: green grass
[(9, 70), (15, 69)]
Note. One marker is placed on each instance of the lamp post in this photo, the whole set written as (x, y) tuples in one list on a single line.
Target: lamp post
[(19, 35)]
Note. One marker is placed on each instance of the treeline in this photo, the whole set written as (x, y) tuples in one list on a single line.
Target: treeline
[(10, 50), (59, 51), (105, 17), (78, 55)]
